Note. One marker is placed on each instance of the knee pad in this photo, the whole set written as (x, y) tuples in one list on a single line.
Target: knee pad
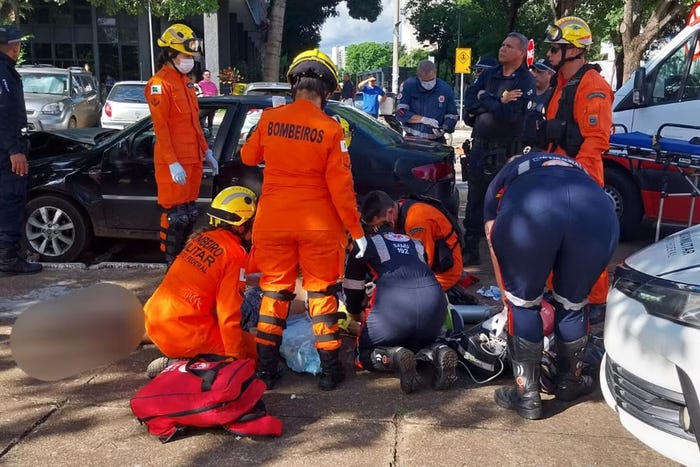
[(178, 229)]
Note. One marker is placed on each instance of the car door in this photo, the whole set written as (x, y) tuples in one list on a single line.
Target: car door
[(92, 100), (128, 177)]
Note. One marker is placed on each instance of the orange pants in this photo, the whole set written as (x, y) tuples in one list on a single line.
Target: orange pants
[(170, 193), (280, 255)]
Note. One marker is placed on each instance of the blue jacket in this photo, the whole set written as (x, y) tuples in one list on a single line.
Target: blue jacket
[(438, 103), (13, 113), (492, 119)]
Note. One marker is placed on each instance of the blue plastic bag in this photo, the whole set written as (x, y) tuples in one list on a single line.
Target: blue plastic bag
[(298, 346)]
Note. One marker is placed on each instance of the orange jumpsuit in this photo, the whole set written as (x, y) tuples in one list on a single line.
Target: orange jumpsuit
[(593, 114), (179, 138), (197, 307), (306, 207), (427, 224)]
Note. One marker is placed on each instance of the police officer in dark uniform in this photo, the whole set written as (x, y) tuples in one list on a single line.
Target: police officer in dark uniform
[(408, 305), (498, 101), (13, 159)]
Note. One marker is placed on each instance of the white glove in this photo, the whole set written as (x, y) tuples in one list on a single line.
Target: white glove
[(178, 173), (361, 245), (439, 132), (209, 159), (430, 122)]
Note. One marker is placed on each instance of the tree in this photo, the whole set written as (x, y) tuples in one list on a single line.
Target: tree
[(273, 44), (412, 58), (367, 56)]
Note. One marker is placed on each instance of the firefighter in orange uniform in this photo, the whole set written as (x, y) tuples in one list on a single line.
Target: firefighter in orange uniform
[(180, 146), (306, 207), (197, 307), (581, 112)]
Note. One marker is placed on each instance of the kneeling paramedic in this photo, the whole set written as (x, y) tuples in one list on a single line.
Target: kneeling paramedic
[(180, 146), (529, 236), (407, 306), (306, 207), (197, 307)]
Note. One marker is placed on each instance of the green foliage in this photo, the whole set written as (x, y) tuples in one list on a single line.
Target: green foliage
[(412, 58), (367, 56), (172, 9)]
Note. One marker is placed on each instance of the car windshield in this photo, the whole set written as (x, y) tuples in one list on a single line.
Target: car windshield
[(127, 93), (45, 83), (357, 118), (269, 92)]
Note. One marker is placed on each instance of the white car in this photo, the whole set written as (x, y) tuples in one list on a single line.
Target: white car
[(125, 104), (650, 373), (263, 88)]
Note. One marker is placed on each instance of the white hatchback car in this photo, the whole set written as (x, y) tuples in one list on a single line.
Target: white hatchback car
[(650, 373), (125, 104)]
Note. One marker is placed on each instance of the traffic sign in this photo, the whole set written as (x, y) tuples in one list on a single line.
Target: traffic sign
[(530, 52), (463, 60)]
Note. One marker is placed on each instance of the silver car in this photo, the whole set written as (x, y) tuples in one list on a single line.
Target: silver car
[(125, 104), (59, 98)]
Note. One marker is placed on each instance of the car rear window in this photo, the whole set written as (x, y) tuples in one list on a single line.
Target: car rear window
[(127, 93), (355, 117)]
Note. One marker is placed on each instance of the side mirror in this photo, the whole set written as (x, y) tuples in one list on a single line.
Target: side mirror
[(639, 92)]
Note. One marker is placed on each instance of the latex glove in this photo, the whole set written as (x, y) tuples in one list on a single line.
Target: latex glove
[(178, 173), (439, 132), (362, 246), (430, 122), (209, 159)]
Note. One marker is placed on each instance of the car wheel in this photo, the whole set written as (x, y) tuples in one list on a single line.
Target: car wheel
[(55, 229), (627, 201), (72, 123)]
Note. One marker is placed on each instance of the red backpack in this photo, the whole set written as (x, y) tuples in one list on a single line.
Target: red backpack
[(206, 391)]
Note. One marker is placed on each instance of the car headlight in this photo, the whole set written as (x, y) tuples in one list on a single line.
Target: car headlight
[(663, 298), (55, 108)]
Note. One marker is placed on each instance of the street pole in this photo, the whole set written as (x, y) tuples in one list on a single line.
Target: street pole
[(395, 54), (150, 39), (461, 75)]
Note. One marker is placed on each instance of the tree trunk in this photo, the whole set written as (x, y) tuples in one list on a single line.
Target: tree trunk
[(561, 8), (273, 45), (635, 37), (512, 14)]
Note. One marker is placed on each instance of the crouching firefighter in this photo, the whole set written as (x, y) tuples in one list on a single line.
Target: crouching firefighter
[(574, 238), (406, 308), (307, 206), (180, 147)]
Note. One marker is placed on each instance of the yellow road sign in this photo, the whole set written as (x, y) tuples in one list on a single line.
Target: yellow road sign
[(463, 60)]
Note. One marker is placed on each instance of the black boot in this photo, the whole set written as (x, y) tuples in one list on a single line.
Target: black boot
[(398, 359), (444, 361), (269, 368), (571, 384), (524, 397), (470, 255), (12, 264), (332, 372)]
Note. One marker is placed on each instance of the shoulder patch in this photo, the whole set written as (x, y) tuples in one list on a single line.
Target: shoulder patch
[(343, 146), (416, 230), (594, 95), (156, 89)]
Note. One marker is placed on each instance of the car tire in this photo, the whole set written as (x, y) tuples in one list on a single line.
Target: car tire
[(72, 123), (627, 201), (55, 230)]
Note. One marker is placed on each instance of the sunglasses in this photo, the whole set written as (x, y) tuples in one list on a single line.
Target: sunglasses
[(554, 49)]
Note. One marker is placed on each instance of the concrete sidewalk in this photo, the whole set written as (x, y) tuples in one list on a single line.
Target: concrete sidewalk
[(86, 420)]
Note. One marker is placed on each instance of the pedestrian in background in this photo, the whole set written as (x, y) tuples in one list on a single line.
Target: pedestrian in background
[(208, 88), (426, 105), (580, 110), (498, 100), (306, 209), (347, 93), (543, 71), (13, 156), (180, 146), (372, 95)]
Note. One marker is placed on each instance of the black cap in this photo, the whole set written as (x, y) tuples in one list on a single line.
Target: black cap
[(9, 34), (486, 62), (543, 65)]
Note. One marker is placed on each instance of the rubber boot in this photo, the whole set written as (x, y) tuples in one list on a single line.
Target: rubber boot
[(471, 251), (12, 264), (269, 368), (524, 396), (400, 360), (158, 365), (332, 372), (444, 361), (571, 384)]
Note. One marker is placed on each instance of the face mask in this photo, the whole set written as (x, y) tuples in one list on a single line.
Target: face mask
[(185, 65), (428, 85)]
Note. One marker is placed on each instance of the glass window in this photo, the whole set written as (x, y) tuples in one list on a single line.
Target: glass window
[(44, 83), (64, 51), (669, 77), (42, 53), (128, 93), (82, 16), (691, 89)]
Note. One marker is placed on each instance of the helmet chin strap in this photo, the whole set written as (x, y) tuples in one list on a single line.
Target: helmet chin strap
[(564, 48)]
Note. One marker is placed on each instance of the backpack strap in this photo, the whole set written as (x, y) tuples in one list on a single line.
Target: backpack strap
[(207, 375), (571, 140)]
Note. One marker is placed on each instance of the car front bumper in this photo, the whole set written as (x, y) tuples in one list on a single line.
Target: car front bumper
[(40, 122), (650, 375)]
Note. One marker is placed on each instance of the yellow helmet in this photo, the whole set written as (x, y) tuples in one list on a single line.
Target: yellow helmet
[(314, 64), (569, 30), (181, 38), (234, 205), (346, 129)]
